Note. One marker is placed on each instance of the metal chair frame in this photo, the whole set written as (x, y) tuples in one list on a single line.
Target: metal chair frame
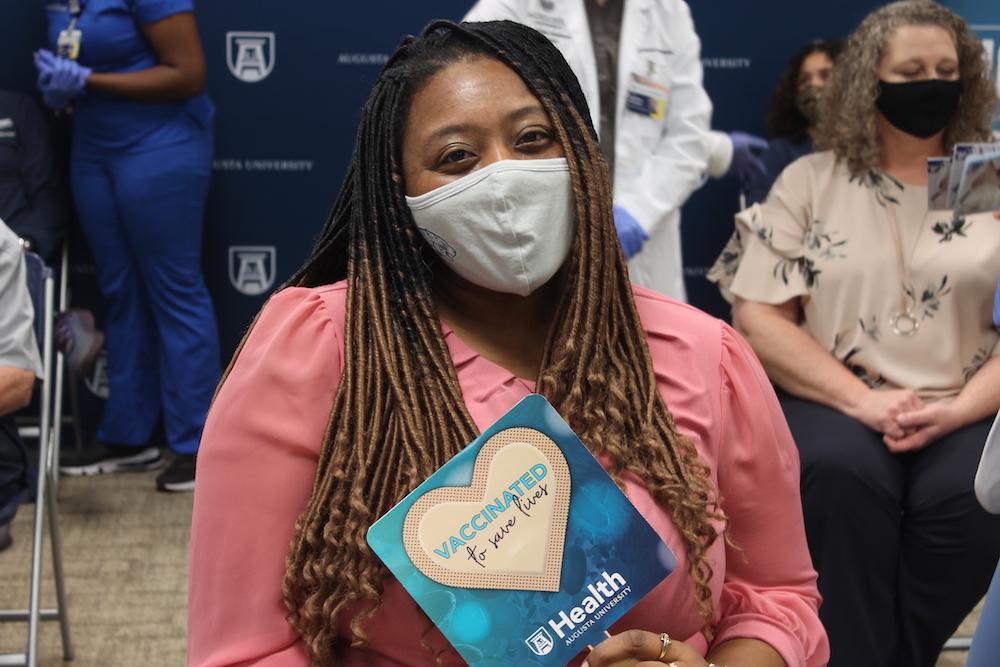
[(42, 278)]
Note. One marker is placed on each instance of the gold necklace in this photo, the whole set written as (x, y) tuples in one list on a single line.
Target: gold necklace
[(904, 322)]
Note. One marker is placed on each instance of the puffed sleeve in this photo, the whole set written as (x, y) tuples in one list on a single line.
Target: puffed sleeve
[(256, 467), (765, 259), (770, 588)]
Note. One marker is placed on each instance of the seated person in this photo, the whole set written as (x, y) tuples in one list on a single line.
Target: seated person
[(386, 354), (794, 113), (20, 364), (872, 314)]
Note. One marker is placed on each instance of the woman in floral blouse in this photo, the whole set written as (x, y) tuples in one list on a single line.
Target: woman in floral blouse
[(873, 315)]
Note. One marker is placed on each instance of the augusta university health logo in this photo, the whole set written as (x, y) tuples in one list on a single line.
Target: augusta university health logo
[(251, 268), (250, 55)]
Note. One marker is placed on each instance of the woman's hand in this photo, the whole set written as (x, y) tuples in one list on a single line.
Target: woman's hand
[(881, 410), (924, 427), (60, 79), (642, 648)]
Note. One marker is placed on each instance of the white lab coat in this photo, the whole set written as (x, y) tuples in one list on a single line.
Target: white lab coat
[(658, 163)]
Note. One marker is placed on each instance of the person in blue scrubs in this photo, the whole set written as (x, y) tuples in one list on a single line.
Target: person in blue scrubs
[(133, 74), (792, 114)]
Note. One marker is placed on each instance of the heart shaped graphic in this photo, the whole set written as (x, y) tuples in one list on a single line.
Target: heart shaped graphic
[(507, 529)]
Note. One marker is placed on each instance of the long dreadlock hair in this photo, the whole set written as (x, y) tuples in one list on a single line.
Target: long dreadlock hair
[(398, 414)]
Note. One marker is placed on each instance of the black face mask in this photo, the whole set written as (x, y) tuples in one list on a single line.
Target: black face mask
[(807, 102), (920, 108)]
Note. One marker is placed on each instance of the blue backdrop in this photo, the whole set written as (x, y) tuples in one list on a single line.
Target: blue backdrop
[(290, 80)]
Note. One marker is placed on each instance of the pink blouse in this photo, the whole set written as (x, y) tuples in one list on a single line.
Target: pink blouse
[(261, 444)]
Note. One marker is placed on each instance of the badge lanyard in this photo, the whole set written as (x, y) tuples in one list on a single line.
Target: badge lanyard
[(68, 42)]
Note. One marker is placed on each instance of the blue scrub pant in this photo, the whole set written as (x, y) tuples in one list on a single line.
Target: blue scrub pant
[(903, 549), (141, 209)]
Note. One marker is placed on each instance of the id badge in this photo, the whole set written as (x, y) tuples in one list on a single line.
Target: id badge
[(647, 97), (68, 43)]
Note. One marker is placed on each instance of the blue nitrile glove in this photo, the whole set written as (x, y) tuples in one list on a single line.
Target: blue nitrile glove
[(996, 307), (60, 79), (746, 149), (630, 232), (45, 63)]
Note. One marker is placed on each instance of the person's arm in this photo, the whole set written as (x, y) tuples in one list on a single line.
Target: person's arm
[(44, 218), (256, 466), (769, 592), (767, 608), (800, 366), (180, 73), (20, 362), (16, 385)]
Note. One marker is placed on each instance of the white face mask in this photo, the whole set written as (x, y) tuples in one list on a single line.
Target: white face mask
[(507, 227)]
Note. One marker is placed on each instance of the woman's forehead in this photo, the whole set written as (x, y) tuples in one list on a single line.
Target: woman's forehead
[(469, 90), (907, 41)]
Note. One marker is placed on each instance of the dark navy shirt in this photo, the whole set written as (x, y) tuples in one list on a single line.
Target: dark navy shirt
[(782, 152), (33, 198)]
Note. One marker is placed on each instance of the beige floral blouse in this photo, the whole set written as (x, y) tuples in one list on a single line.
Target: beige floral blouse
[(902, 295)]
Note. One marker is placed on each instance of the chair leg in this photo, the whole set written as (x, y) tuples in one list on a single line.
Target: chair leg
[(57, 405), (34, 604), (57, 568)]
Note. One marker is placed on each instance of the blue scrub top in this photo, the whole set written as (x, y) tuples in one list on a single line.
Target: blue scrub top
[(112, 41)]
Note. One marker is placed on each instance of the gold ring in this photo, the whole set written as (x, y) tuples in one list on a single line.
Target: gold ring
[(665, 639)]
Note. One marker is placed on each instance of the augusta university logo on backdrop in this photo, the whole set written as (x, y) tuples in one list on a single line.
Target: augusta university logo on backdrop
[(250, 55), (251, 268)]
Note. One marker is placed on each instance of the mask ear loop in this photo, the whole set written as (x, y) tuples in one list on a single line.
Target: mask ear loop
[(429, 262)]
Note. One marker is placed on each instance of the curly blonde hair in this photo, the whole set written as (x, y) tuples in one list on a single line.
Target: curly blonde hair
[(849, 119)]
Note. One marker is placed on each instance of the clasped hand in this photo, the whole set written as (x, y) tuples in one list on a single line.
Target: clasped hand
[(60, 79), (905, 421)]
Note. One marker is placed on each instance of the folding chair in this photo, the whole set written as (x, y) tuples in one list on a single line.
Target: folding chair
[(41, 284)]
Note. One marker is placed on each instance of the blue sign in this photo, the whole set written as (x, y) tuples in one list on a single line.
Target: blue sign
[(522, 549)]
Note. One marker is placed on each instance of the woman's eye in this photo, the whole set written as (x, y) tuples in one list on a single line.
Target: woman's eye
[(533, 137), (455, 156)]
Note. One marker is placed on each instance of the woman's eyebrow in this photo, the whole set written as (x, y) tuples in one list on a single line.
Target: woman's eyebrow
[(456, 128)]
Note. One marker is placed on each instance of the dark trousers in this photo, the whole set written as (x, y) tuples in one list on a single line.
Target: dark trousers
[(13, 460), (903, 549)]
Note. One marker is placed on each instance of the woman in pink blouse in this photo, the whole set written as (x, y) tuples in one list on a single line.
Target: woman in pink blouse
[(472, 259)]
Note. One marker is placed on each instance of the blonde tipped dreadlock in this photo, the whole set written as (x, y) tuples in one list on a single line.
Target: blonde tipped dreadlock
[(399, 413)]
